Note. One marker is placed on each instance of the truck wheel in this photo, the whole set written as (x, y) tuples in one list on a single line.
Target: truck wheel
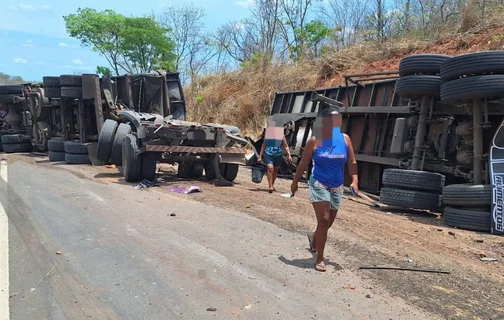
[(17, 147), (70, 80), (41, 133), (418, 85), (56, 145), (116, 154), (470, 219), (53, 82), (464, 89), (52, 93), (71, 92), (14, 89), (15, 139), (468, 195), (7, 98), (412, 179), (149, 160), (421, 64), (476, 63), (76, 147), (131, 161), (106, 140), (75, 158), (230, 171), (197, 170), (56, 156), (410, 198), (185, 169)]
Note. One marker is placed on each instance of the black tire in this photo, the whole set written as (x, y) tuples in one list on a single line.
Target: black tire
[(210, 173), (52, 82), (72, 158), (475, 220), (15, 139), (131, 161), (116, 152), (465, 89), (149, 160), (56, 156), (231, 171), (41, 134), (410, 198), (71, 92), (76, 147), (418, 85), (185, 169), (70, 80), (14, 89), (475, 63), (52, 93), (412, 179), (421, 64), (7, 98), (106, 140), (468, 195), (17, 147), (197, 170), (56, 145)]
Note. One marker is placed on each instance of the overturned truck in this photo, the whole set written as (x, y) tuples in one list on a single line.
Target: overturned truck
[(136, 139), (428, 136), (14, 118)]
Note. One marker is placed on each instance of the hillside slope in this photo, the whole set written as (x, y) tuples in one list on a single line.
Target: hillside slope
[(244, 97)]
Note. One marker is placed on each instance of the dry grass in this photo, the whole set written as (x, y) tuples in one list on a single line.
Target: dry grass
[(244, 97)]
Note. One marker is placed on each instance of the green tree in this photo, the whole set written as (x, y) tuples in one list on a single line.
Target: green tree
[(310, 38), (129, 44), (146, 45)]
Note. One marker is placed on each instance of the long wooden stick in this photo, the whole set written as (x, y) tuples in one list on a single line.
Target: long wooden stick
[(404, 269)]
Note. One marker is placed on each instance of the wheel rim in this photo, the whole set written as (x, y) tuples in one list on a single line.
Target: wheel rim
[(41, 134)]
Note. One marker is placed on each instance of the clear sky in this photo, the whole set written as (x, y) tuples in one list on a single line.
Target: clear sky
[(34, 42)]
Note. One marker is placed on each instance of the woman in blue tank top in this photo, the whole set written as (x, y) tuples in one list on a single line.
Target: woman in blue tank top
[(329, 154)]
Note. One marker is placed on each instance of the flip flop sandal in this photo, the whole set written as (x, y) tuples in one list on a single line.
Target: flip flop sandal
[(320, 267), (310, 240)]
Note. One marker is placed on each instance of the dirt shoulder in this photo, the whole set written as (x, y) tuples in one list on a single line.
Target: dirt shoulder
[(363, 236)]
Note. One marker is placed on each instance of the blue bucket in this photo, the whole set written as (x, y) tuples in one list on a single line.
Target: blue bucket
[(257, 174)]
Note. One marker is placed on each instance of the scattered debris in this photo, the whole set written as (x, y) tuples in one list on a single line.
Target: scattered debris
[(368, 296), (146, 184), (172, 215), (211, 309), (488, 259), (351, 287), (110, 166), (185, 190), (479, 240), (410, 261), (403, 269), (451, 233), (439, 229), (58, 252)]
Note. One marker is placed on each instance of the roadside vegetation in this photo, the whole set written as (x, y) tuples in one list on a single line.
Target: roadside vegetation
[(10, 79)]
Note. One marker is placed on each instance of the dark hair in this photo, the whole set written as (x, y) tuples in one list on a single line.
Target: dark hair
[(327, 110)]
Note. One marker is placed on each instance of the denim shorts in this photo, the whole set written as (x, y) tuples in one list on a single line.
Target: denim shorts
[(320, 193), (275, 161)]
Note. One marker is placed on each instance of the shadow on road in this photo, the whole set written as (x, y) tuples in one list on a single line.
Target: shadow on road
[(308, 263)]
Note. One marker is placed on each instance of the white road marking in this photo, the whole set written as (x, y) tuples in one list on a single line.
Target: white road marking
[(4, 251)]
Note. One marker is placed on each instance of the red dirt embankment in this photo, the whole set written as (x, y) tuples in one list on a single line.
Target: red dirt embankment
[(482, 40)]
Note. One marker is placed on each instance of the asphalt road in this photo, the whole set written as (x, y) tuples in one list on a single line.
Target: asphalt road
[(81, 249)]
